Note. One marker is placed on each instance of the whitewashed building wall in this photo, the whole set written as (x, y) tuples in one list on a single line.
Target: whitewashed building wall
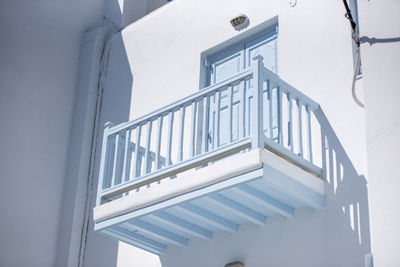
[(165, 49)]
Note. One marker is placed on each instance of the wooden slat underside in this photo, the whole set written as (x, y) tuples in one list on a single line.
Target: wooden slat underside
[(250, 197)]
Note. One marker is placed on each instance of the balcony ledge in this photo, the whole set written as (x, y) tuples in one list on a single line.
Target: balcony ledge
[(253, 173), (222, 175)]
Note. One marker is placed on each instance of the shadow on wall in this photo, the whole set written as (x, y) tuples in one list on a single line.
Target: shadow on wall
[(124, 12), (346, 194), (131, 8), (337, 236), (116, 85)]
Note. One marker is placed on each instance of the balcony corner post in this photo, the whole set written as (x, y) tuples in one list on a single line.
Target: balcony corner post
[(105, 154), (256, 124)]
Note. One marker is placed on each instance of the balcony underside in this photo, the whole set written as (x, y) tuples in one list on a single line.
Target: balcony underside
[(246, 187)]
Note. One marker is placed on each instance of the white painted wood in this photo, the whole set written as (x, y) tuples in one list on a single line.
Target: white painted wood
[(193, 130), (296, 173), (127, 157), (158, 144), (212, 174), (217, 172)]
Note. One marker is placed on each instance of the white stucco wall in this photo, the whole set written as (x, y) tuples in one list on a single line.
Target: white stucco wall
[(49, 69), (314, 55), (156, 61), (380, 59), (120, 13), (39, 59), (168, 44)]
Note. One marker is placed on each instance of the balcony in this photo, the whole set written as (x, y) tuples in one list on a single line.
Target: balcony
[(236, 152)]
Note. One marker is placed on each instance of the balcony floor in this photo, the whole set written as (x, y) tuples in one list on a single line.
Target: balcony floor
[(246, 187)]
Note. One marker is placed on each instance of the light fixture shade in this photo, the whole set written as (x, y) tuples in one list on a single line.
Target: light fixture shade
[(235, 264), (239, 21)]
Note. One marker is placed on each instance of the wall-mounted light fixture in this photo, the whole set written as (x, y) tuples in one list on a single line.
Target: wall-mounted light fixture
[(235, 264), (292, 3), (240, 22)]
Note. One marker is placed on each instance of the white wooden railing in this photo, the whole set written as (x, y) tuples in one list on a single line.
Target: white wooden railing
[(254, 109)]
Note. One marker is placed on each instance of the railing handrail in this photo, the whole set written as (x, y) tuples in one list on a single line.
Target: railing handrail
[(177, 104)]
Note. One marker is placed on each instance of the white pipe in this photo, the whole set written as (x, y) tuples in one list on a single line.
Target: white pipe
[(353, 87)]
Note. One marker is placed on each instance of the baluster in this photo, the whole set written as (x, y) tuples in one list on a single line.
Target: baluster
[(217, 119), (137, 145), (206, 104), (280, 121), (290, 126), (248, 97), (108, 163), (242, 110), (117, 158), (127, 157), (181, 131), (309, 133), (158, 145), (271, 130), (147, 160), (193, 130), (169, 141), (104, 162), (257, 131), (323, 158), (229, 108), (212, 120), (299, 105)]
